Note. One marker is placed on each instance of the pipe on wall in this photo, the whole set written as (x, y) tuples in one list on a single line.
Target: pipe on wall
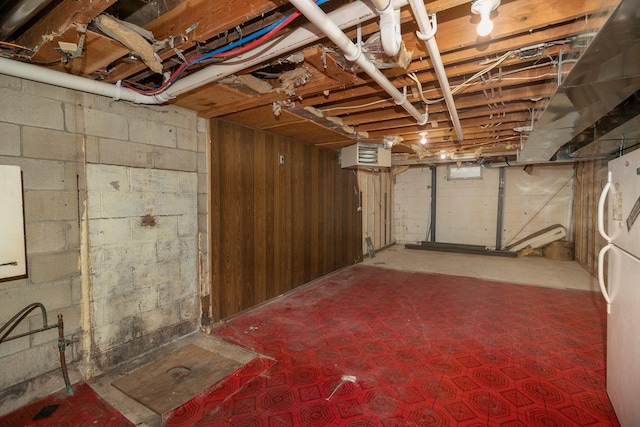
[(426, 34), (345, 17), (353, 53)]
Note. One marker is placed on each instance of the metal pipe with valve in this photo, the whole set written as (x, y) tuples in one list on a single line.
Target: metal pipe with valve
[(62, 343)]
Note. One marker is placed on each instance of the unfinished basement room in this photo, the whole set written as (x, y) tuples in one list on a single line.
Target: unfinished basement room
[(319, 213)]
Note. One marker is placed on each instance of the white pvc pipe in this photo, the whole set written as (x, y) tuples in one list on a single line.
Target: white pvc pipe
[(427, 35), (352, 52), (390, 33), (345, 17)]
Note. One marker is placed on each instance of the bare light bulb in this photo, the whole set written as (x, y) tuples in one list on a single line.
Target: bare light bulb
[(443, 156), (485, 26), (423, 139)]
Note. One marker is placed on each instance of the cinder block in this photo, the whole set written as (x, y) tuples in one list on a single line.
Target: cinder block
[(51, 144), (122, 153), (105, 125), (50, 205), (123, 205), (166, 227), (152, 133), (187, 226), (17, 345), (201, 163), (10, 145), (109, 231), (42, 174), (187, 139), (22, 109), (166, 294), (45, 236), (9, 82), (189, 307), (188, 182), (202, 124), (152, 274), (48, 91), (203, 142), (173, 159), (53, 266), (108, 178), (28, 364), (176, 204), (111, 281), (154, 180), (92, 149), (175, 116)]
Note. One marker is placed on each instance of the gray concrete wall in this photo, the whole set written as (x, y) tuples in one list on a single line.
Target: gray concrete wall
[(97, 173), (467, 209)]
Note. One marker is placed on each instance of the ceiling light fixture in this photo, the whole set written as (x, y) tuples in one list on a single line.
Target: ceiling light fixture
[(423, 138), (484, 9)]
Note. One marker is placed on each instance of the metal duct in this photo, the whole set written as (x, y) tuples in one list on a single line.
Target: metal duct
[(606, 74), (14, 16)]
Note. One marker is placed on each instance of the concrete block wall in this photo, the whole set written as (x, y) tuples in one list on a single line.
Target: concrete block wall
[(412, 205), (467, 209), (143, 247), (158, 154)]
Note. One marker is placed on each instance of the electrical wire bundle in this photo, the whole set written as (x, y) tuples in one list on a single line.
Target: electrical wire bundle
[(254, 39)]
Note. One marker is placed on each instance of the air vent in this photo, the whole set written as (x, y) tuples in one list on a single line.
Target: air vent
[(365, 156)]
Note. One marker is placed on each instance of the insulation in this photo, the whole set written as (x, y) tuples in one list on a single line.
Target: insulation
[(118, 30)]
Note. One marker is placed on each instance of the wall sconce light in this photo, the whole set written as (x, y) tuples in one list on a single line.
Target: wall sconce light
[(484, 9)]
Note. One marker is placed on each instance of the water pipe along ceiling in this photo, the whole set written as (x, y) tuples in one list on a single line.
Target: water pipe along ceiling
[(554, 80)]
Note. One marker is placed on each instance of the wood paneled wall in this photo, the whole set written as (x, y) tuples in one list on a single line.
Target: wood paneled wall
[(590, 178), (275, 226)]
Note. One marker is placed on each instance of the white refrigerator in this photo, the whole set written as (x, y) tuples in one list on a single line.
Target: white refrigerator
[(622, 288)]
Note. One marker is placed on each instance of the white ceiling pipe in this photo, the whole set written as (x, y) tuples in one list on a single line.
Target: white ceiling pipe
[(347, 16), (353, 53), (426, 34), (390, 33)]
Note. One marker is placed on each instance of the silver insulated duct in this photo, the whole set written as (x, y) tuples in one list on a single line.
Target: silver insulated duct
[(14, 14)]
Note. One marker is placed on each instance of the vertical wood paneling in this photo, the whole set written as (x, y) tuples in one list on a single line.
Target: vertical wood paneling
[(246, 197), (229, 221), (298, 213), (271, 153), (261, 226), (308, 221), (275, 227), (214, 217)]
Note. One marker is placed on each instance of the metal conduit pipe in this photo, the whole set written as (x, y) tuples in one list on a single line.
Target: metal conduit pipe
[(12, 323), (345, 17), (426, 34), (353, 53)]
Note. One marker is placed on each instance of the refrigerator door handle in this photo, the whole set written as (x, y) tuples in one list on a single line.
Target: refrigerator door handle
[(603, 287), (603, 198)]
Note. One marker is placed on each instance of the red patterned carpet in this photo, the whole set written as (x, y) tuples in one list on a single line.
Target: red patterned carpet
[(84, 408), (374, 347), (425, 350)]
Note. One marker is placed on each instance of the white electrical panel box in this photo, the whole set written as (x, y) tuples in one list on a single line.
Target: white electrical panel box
[(365, 156)]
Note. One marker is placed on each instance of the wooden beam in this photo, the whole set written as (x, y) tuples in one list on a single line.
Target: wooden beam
[(61, 17)]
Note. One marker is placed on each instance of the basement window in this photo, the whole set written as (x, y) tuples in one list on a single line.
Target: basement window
[(464, 172)]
